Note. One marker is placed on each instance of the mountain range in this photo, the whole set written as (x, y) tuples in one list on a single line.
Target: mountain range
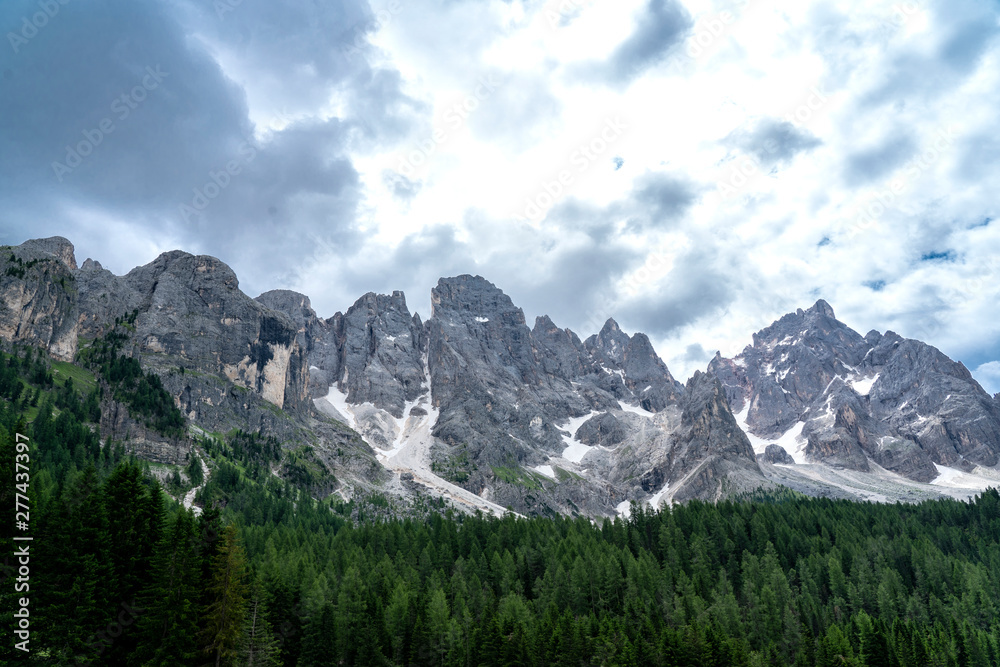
[(475, 406)]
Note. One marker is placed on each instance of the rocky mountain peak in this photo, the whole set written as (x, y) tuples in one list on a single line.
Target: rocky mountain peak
[(284, 298), (471, 296), (197, 272), (822, 308), (610, 343), (830, 395), (54, 246)]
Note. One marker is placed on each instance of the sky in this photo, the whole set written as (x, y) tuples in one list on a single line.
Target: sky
[(693, 169)]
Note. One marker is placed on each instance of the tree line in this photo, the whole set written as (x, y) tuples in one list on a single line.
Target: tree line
[(268, 575)]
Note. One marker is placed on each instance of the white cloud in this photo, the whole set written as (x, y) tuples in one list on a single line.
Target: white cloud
[(875, 198), (988, 375)]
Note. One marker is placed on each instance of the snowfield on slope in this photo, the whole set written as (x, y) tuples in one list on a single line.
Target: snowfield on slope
[(411, 446)]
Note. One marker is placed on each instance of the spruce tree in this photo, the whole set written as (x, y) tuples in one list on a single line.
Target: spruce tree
[(72, 570), (226, 611), (259, 647), (168, 624)]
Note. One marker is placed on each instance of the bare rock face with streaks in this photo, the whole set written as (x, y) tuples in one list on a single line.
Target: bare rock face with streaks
[(534, 419), (191, 311), (473, 405), (38, 296)]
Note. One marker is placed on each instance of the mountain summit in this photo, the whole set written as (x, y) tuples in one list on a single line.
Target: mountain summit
[(474, 406)]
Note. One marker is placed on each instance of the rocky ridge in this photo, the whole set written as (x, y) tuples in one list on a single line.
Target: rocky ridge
[(474, 405), (828, 395)]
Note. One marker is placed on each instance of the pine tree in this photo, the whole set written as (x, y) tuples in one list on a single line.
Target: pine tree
[(169, 622), (319, 646), (226, 611), (194, 471), (259, 646), (135, 519), (72, 569)]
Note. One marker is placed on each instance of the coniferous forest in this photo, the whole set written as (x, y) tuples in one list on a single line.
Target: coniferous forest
[(122, 574)]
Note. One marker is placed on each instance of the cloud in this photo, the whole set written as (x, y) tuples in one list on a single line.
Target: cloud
[(695, 286), (988, 375), (151, 126), (661, 26), (772, 141), (962, 33), (400, 186), (868, 165), (282, 127)]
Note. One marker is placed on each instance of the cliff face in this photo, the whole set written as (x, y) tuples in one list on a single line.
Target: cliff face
[(118, 425), (835, 397), (711, 456), (475, 405), (192, 313), (38, 296)]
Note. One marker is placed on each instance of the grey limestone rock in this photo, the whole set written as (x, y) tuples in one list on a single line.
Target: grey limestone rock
[(39, 296), (776, 454), (605, 430), (899, 403)]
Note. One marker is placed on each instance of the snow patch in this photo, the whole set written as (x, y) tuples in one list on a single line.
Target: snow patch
[(791, 440), (482, 319), (575, 450), (411, 444), (624, 509), (657, 498), (957, 479), (864, 385), (545, 470), (636, 410)]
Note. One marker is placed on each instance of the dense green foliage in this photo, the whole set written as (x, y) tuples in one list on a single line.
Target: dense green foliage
[(276, 577)]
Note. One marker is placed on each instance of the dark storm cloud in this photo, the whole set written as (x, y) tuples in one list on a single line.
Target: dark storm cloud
[(693, 288), (660, 27), (660, 199), (868, 165), (123, 109), (772, 141)]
